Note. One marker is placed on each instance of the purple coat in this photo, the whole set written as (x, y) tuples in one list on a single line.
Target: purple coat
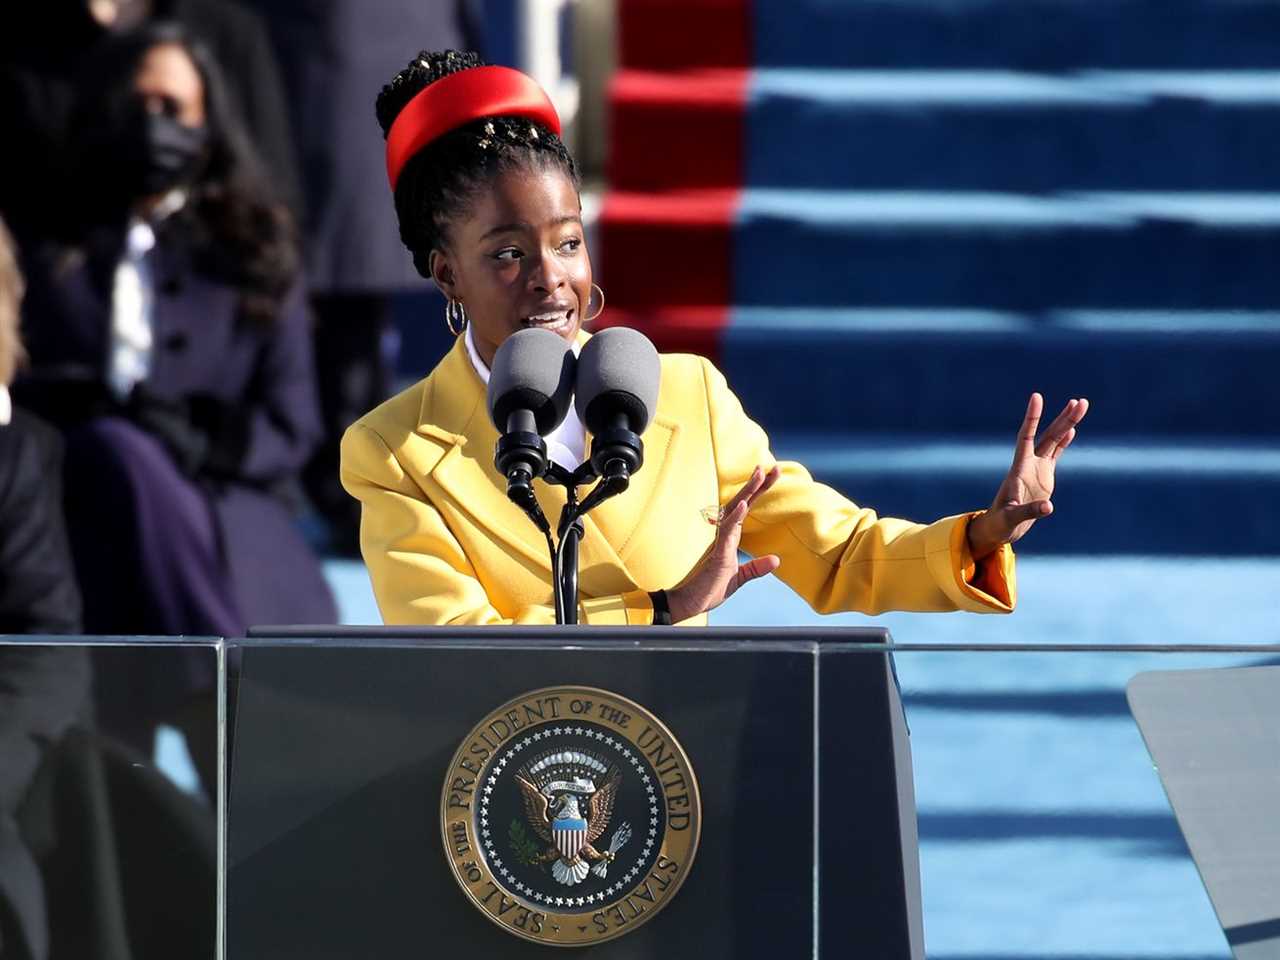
[(258, 378)]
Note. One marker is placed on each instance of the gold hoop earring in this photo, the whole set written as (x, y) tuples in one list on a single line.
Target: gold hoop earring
[(455, 316), (595, 286)]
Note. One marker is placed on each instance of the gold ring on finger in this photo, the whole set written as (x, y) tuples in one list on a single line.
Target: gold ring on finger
[(713, 515)]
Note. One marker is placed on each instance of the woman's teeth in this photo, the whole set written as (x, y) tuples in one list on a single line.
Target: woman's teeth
[(559, 319)]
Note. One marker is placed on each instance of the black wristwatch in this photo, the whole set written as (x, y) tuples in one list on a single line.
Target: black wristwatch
[(661, 609)]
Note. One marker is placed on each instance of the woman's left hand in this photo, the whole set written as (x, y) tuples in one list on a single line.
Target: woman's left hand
[(1023, 497)]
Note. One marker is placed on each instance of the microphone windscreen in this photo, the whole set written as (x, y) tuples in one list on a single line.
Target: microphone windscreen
[(618, 373), (532, 370)]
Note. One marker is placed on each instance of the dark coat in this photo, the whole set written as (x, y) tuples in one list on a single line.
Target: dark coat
[(37, 583), (42, 689), (43, 692), (335, 57), (233, 401)]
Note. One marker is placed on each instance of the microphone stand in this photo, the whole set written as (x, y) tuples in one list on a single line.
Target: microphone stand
[(521, 454), (569, 531), (564, 558)]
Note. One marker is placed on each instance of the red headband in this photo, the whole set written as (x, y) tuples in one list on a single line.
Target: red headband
[(458, 99)]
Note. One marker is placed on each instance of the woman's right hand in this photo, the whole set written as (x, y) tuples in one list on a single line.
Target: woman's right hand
[(719, 574)]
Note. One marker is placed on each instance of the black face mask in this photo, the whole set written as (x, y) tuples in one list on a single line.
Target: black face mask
[(162, 153)]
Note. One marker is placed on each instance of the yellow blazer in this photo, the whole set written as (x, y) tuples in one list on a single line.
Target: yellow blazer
[(444, 545)]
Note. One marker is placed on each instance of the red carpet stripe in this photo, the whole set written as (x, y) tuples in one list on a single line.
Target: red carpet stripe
[(677, 130), (680, 34), (676, 168), (666, 260)]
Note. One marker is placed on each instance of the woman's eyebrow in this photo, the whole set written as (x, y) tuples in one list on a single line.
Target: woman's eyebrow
[(520, 225), (505, 228)]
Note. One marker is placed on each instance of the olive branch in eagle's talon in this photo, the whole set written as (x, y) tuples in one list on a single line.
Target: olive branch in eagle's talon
[(525, 848)]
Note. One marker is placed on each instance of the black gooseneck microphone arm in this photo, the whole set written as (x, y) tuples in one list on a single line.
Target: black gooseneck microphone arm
[(614, 478), (563, 549), (569, 531), (564, 556), (521, 456)]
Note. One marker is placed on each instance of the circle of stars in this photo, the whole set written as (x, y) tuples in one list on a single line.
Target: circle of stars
[(621, 882)]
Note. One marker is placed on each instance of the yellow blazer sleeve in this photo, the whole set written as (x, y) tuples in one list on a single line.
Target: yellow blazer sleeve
[(420, 574), (839, 556)]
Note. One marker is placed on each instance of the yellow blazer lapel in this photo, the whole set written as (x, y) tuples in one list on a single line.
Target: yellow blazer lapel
[(454, 413), (618, 519)]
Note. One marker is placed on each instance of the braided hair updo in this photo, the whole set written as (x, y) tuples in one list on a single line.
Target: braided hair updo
[(441, 180)]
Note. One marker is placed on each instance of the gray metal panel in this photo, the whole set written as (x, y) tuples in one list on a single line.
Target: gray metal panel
[(1215, 738), (908, 825)]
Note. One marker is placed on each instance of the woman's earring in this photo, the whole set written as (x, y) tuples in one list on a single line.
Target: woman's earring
[(600, 309), (455, 316)]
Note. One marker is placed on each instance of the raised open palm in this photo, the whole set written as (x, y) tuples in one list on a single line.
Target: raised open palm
[(719, 573), (1024, 496)]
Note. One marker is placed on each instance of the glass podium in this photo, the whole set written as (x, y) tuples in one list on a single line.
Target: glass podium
[(104, 853), (393, 793), (342, 749)]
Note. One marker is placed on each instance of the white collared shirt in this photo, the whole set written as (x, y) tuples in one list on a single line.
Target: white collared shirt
[(6, 406), (567, 443), (130, 351)]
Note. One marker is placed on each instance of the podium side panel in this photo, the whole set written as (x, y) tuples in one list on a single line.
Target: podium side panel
[(907, 822), (869, 858)]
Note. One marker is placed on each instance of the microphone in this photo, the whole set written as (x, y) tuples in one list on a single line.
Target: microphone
[(618, 377), (530, 389)]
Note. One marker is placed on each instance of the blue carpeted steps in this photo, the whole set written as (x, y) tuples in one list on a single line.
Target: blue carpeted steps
[(913, 412), (990, 130), (947, 204), (1115, 495), (1045, 35), (1007, 251), (1162, 376), (1006, 131)]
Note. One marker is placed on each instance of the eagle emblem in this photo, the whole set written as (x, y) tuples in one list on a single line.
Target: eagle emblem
[(569, 812), (552, 857)]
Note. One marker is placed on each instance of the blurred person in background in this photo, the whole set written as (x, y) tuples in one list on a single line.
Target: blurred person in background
[(42, 53), (44, 690), (171, 343), (334, 54), (37, 583)]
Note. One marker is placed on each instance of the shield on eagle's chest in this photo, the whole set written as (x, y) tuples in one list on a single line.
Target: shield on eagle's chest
[(570, 835)]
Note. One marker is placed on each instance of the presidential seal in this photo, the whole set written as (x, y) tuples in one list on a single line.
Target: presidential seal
[(570, 815)]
